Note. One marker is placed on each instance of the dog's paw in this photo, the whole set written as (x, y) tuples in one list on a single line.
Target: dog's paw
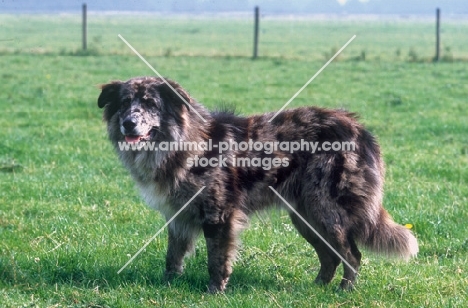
[(171, 275), (320, 282), (217, 287), (346, 285)]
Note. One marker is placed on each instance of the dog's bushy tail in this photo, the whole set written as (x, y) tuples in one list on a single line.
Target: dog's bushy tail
[(390, 239)]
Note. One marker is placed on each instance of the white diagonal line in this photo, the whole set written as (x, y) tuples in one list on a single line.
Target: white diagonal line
[(160, 76), (160, 230), (312, 228), (313, 77)]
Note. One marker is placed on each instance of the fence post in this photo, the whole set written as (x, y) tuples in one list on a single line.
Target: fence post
[(255, 51), (84, 27), (437, 55)]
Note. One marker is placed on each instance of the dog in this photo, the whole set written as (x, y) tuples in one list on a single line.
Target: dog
[(336, 193)]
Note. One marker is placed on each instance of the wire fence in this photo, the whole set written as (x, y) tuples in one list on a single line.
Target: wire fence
[(303, 37)]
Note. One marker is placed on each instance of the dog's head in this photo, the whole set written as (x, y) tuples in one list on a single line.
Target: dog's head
[(143, 109)]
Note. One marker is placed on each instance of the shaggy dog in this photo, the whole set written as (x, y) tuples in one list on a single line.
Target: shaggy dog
[(338, 193)]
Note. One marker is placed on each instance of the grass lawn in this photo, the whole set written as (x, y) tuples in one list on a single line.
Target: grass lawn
[(70, 216)]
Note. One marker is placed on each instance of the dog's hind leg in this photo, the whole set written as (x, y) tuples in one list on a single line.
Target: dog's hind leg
[(342, 242), (181, 242), (353, 256), (329, 261)]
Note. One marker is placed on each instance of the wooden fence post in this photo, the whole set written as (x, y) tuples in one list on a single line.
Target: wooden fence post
[(255, 51), (437, 54), (84, 27)]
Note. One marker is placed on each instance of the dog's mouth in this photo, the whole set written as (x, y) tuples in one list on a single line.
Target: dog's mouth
[(138, 138)]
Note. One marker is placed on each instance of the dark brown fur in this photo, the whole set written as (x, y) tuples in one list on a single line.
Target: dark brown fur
[(338, 193)]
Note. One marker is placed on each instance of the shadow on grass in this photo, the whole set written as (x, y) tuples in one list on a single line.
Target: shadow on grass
[(23, 276)]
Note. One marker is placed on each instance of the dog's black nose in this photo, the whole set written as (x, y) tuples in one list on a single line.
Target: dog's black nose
[(129, 124)]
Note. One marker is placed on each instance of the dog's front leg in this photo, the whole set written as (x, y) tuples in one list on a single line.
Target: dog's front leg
[(181, 242), (221, 244)]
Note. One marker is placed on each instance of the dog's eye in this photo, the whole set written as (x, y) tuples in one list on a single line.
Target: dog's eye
[(126, 101)]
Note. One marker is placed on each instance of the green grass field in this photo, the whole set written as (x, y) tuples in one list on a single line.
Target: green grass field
[(70, 216)]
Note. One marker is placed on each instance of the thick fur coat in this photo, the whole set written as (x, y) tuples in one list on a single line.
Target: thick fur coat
[(339, 193)]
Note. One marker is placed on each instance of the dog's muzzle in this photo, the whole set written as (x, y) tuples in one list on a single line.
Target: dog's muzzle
[(130, 131)]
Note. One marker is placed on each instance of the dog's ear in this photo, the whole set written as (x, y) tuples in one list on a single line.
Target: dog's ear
[(177, 98), (109, 93)]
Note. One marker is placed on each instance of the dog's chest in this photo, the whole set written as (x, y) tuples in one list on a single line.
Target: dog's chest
[(154, 199)]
